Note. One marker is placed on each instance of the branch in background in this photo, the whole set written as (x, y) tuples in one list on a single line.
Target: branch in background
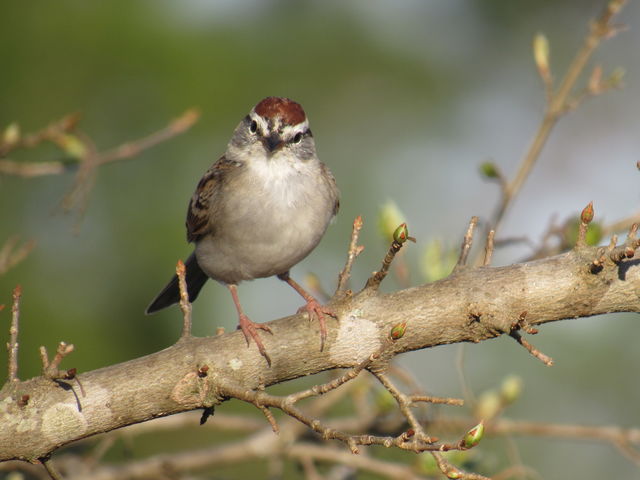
[(560, 238), (54, 132), (560, 101), (10, 256), (89, 159), (80, 153)]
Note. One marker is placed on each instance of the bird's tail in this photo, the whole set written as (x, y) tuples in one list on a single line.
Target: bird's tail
[(170, 294)]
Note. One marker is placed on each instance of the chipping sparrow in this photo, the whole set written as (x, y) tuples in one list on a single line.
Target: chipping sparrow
[(259, 210)]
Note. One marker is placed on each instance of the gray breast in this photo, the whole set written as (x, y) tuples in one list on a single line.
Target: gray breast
[(266, 229)]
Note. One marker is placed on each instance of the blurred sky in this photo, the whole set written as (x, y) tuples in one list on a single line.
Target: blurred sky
[(405, 99)]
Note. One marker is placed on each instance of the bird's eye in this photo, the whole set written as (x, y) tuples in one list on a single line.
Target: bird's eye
[(297, 138), (253, 128)]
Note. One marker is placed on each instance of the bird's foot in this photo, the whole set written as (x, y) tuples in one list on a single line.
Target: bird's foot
[(250, 330), (318, 311)]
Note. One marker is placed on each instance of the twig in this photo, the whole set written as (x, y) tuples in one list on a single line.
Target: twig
[(414, 399), (51, 470), (622, 438), (353, 252), (12, 346), (401, 441), (49, 133), (131, 149), (548, 361), (31, 169), (400, 237), (287, 404), (466, 245), (89, 158), (620, 225), (597, 264), (600, 29), (309, 468), (519, 472), (451, 471), (586, 217), (185, 305), (50, 369), (404, 403), (628, 249), (488, 250), (270, 418), (365, 463), (333, 384), (523, 324), (418, 396)]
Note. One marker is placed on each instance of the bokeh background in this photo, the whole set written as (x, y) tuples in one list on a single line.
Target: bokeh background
[(405, 99)]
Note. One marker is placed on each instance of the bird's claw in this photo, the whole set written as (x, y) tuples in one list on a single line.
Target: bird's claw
[(250, 331), (317, 311)]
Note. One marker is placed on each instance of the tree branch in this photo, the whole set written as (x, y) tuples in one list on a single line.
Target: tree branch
[(472, 305)]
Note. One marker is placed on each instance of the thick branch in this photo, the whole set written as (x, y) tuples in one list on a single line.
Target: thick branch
[(469, 306)]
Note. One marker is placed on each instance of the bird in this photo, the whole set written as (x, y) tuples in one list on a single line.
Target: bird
[(260, 209)]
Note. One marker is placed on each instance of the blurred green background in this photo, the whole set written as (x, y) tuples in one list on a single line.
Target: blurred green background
[(405, 99)]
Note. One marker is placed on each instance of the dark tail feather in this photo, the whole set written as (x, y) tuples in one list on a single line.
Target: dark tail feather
[(170, 294)]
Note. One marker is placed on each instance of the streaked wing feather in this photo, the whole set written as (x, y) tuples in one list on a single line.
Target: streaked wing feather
[(332, 184), (198, 214)]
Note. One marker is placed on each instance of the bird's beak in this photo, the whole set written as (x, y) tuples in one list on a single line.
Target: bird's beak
[(272, 143)]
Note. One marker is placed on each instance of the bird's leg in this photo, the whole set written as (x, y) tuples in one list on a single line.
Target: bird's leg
[(248, 327), (312, 307)]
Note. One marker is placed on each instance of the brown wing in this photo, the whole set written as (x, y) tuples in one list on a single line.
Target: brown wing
[(332, 185), (201, 204)]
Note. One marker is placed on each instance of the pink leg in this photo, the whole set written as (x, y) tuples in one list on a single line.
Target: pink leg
[(312, 307), (248, 327)]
